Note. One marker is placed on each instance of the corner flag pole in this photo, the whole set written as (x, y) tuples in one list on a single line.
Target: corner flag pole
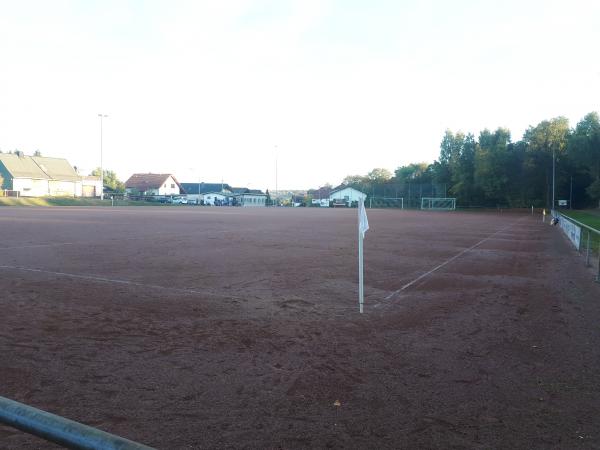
[(363, 226), (361, 294)]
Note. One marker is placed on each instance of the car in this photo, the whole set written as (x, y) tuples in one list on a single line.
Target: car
[(180, 201)]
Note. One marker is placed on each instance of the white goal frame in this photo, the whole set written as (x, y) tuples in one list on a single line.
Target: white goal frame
[(438, 203), (386, 202)]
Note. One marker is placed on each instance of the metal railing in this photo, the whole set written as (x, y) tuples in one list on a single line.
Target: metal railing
[(587, 248), (59, 430)]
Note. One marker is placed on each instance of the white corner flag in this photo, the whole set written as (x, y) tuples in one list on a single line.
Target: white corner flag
[(363, 226), (363, 222)]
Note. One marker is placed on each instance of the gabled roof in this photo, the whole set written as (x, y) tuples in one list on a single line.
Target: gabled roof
[(56, 168), (341, 187), (22, 167), (322, 192), (255, 192), (239, 190), (204, 188), (146, 181)]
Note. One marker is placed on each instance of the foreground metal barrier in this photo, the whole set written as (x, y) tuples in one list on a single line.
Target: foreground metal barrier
[(576, 231), (59, 430)]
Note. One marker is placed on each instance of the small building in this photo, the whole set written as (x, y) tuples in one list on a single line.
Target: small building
[(153, 184), (346, 195), (252, 198), (91, 186), (38, 176)]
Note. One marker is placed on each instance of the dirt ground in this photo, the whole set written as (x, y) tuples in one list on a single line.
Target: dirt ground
[(206, 328)]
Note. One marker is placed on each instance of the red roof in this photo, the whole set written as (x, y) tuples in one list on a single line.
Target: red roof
[(146, 181)]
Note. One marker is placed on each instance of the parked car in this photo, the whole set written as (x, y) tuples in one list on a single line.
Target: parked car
[(180, 201)]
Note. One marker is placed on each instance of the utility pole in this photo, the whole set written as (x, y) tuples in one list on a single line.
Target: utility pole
[(571, 194), (102, 116), (553, 177), (276, 187)]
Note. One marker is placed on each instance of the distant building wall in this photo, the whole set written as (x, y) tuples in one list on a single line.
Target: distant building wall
[(252, 200), (63, 188), (28, 187)]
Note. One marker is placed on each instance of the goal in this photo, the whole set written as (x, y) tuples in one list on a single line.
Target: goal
[(438, 204), (386, 202)]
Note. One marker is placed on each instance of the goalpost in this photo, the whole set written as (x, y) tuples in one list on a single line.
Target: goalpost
[(386, 202), (438, 203)]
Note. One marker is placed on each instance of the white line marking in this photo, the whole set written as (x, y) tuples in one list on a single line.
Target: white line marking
[(407, 285), (37, 246), (117, 281)]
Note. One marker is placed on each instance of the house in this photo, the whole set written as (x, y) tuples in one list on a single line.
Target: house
[(38, 176), (345, 195), (195, 192), (153, 184)]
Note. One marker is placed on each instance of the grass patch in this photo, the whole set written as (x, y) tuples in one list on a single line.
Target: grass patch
[(69, 201), (591, 219)]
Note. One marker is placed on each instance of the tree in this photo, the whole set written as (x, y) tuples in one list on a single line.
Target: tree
[(584, 152), (412, 172), (110, 180), (491, 165), (351, 180), (379, 175), (593, 190), (268, 201), (545, 139), (462, 171)]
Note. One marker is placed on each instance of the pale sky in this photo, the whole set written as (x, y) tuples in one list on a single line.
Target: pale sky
[(214, 89)]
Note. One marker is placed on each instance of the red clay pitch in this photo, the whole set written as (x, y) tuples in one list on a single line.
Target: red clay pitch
[(188, 327)]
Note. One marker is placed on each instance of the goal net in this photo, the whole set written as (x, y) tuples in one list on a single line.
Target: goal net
[(386, 202), (438, 204)]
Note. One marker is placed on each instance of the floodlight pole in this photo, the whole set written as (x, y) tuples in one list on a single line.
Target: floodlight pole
[(571, 194), (553, 177), (102, 116)]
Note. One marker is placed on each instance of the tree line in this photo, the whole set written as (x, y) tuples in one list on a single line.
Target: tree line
[(492, 170)]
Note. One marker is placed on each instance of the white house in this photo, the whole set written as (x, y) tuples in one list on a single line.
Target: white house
[(158, 184), (346, 195)]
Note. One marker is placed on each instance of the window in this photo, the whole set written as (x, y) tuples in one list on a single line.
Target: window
[(172, 185)]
